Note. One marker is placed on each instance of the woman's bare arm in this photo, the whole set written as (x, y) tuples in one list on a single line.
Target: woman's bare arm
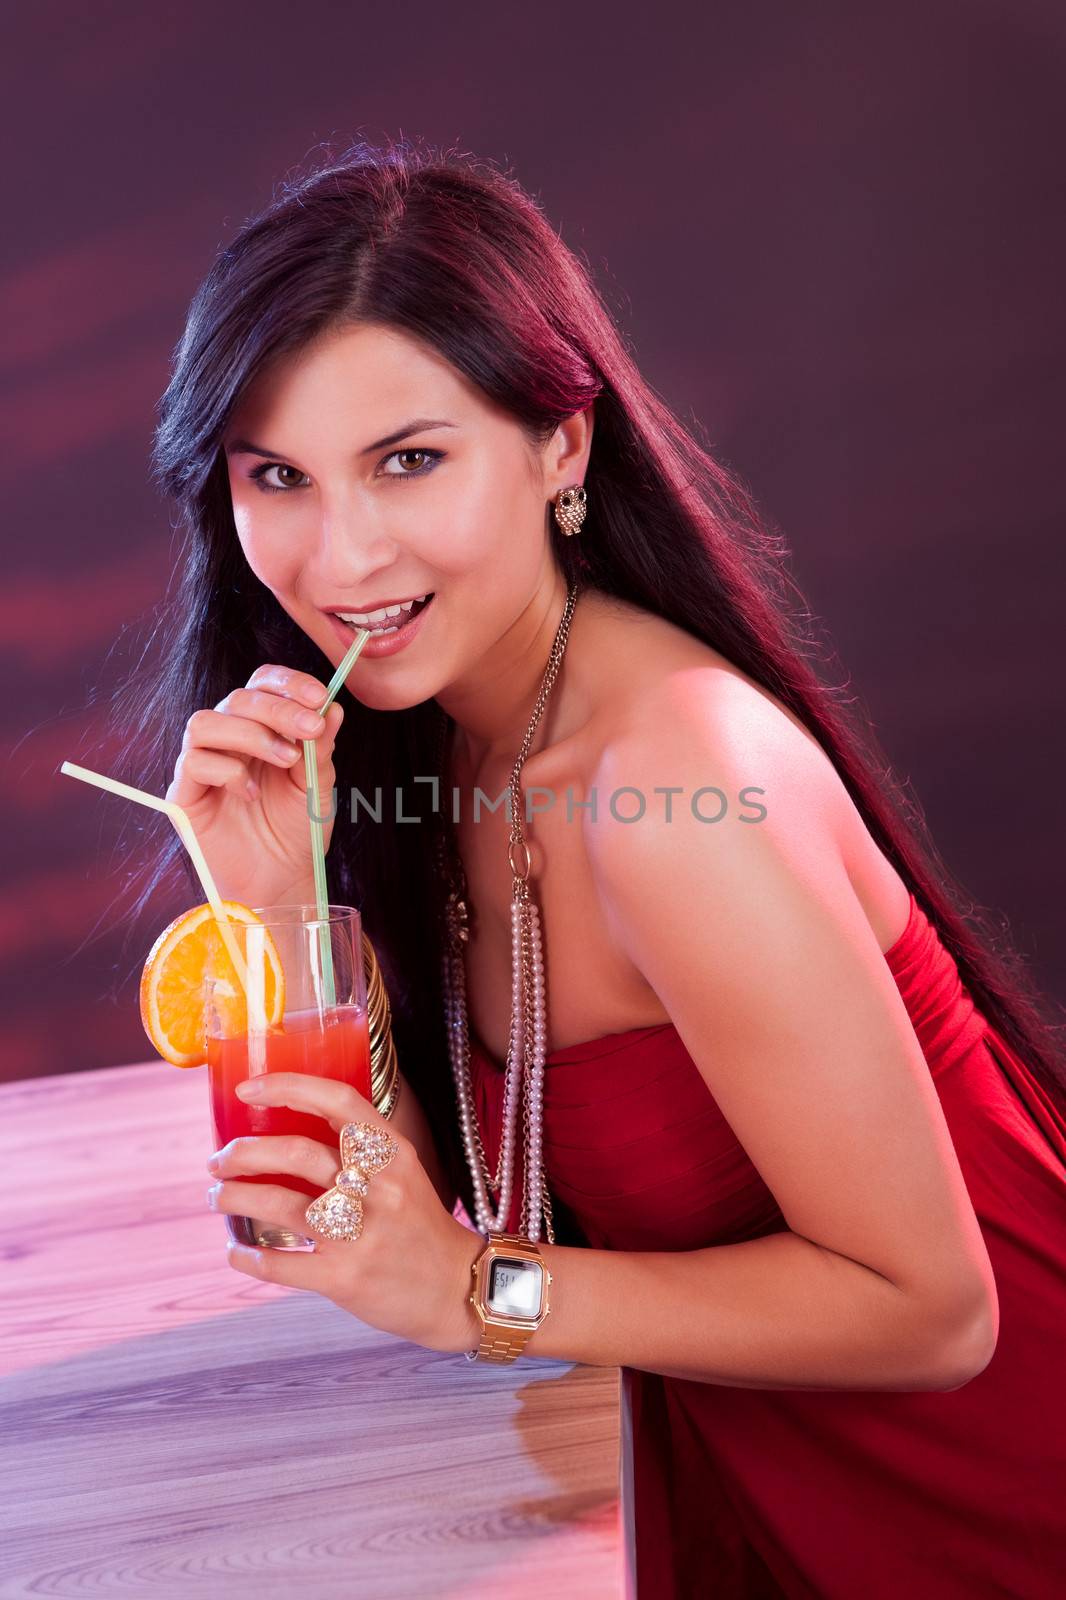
[(774, 1313), (753, 938)]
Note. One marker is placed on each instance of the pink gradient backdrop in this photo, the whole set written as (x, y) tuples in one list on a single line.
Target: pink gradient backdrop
[(834, 233)]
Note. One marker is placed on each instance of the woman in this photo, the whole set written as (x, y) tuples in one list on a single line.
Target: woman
[(803, 1132)]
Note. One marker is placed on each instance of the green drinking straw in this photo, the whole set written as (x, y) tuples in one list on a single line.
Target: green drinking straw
[(314, 811)]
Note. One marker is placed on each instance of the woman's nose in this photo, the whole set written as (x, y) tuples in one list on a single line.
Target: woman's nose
[(351, 549)]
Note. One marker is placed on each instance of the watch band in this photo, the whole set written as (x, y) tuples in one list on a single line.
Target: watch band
[(494, 1345), (501, 1342)]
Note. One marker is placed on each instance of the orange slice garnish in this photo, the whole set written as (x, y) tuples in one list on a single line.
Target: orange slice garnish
[(173, 984)]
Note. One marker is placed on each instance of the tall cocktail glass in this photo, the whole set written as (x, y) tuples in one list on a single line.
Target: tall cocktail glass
[(321, 1030)]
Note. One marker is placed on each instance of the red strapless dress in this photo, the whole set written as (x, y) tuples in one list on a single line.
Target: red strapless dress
[(826, 1495)]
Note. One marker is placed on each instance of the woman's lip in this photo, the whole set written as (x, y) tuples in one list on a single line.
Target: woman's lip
[(380, 644)]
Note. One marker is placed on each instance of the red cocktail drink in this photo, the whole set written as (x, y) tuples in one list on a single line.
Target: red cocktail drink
[(334, 1044), (301, 1007)]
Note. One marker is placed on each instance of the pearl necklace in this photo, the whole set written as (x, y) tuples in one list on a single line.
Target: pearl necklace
[(527, 1044)]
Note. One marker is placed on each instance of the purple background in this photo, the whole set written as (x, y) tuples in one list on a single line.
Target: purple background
[(833, 234)]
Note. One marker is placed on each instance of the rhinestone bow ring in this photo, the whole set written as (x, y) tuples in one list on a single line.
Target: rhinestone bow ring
[(365, 1150)]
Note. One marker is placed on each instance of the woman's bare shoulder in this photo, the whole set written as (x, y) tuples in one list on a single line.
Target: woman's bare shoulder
[(678, 712), (664, 692)]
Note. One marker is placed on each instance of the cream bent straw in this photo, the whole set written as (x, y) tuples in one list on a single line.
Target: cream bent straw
[(314, 811), (192, 844)]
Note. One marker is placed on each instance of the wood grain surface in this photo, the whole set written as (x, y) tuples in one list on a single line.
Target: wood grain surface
[(172, 1427)]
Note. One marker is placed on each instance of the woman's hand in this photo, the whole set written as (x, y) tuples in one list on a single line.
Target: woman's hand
[(408, 1273), (240, 778)]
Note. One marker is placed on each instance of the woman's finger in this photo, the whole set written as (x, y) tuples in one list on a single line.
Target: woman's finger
[(323, 748), (197, 771), (300, 686), (292, 1269), (267, 1202), (283, 1208), (290, 719), (277, 1153), (337, 1102), (223, 730), (324, 744)]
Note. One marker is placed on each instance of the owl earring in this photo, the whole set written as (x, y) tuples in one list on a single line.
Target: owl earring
[(570, 506)]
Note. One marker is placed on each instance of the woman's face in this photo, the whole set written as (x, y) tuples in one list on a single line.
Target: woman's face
[(337, 512)]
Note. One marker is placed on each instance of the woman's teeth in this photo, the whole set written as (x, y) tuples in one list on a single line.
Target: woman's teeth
[(380, 621)]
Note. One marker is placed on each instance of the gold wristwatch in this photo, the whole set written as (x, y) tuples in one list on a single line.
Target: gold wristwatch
[(510, 1296)]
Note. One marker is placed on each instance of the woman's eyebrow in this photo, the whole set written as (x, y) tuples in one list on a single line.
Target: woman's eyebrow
[(244, 447)]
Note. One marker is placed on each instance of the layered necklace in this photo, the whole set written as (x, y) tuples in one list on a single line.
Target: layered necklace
[(527, 1044)]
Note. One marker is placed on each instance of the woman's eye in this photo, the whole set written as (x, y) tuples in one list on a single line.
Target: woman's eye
[(419, 469), (259, 479), (430, 459)]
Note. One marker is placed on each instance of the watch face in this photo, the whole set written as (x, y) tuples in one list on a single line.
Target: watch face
[(515, 1287)]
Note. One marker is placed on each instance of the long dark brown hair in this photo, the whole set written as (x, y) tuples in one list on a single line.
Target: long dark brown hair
[(448, 248)]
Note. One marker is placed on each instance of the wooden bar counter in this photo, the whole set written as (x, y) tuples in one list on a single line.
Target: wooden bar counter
[(172, 1427)]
